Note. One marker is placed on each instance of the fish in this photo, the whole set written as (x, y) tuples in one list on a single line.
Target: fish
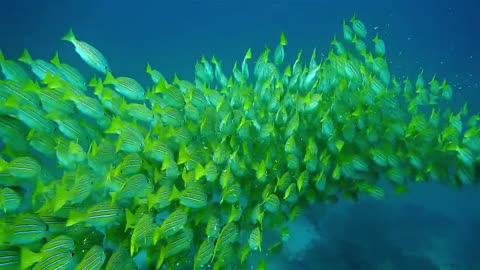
[(126, 86), (113, 173), (92, 56)]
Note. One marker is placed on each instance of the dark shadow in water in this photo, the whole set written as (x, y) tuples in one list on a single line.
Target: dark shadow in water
[(470, 251), (370, 234)]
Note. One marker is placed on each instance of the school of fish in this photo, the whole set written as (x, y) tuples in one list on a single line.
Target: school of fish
[(106, 173)]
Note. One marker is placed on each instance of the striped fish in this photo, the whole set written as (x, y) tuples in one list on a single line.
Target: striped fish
[(227, 236), (231, 194), (13, 70), (24, 167), (134, 186), (61, 242), (131, 140), (69, 73), (204, 253), (11, 129), (53, 101), (157, 150), (17, 91), (120, 260), (59, 259), (194, 196), (93, 259), (93, 57), (9, 200), (138, 112), (171, 116), (35, 118), (178, 243), (27, 229), (103, 214), (71, 128), (213, 227), (171, 225), (87, 105), (142, 235), (56, 225), (211, 171), (155, 75), (126, 86), (255, 239), (132, 163), (161, 198), (358, 27), (9, 258), (272, 203), (172, 96), (39, 67)]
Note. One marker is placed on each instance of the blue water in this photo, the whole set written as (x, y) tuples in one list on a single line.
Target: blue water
[(432, 227)]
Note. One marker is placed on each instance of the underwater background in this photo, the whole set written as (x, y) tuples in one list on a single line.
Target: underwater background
[(433, 226)]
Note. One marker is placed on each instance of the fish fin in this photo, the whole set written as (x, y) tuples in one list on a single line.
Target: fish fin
[(161, 258), (31, 86), (130, 219), (114, 196), (75, 217), (3, 164), (98, 87), (109, 79), (60, 198), (115, 126), (183, 155), (175, 193), (69, 36), (199, 171), (55, 60), (151, 200), (11, 102), (25, 57), (283, 39), (28, 257)]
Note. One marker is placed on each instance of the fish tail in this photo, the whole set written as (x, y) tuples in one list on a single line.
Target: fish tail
[(25, 57), (109, 79), (28, 257), (69, 36), (55, 60)]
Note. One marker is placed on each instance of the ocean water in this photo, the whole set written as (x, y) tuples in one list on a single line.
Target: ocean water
[(431, 227)]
